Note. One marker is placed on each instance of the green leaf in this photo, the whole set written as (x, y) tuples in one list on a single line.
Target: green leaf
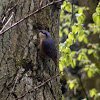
[(79, 57), (71, 86), (80, 18), (93, 93), (73, 63), (85, 69), (90, 51), (68, 7), (74, 29), (98, 10), (61, 67), (60, 33), (63, 98), (69, 42), (90, 74), (85, 40), (81, 37), (94, 17), (80, 10), (98, 20), (67, 50), (95, 55), (70, 36), (70, 60), (63, 62), (65, 31)]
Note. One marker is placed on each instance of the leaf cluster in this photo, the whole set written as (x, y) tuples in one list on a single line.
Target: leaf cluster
[(76, 34)]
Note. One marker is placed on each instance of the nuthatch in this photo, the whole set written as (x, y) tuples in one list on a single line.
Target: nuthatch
[(47, 45)]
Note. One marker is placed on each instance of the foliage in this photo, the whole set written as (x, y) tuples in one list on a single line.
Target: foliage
[(96, 15), (73, 84), (93, 93), (77, 34)]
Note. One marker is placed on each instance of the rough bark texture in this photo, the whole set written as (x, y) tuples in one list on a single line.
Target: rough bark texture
[(21, 65)]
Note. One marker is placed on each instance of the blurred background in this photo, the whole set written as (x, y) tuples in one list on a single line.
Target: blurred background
[(80, 49)]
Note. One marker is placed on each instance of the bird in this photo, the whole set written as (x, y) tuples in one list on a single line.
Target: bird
[(47, 45)]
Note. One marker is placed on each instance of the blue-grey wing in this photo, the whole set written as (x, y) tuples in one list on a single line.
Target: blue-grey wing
[(49, 48)]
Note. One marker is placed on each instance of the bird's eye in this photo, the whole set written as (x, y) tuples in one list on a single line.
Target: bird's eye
[(45, 34)]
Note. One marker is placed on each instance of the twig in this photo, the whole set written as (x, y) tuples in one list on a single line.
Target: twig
[(72, 11), (13, 86), (9, 10), (31, 15), (82, 86), (40, 3), (3, 19), (42, 84), (3, 76), (7, 23), (15, 83)]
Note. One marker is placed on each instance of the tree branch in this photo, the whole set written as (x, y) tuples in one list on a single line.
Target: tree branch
[(82, 86), (42, 84), (13, 87), (7, 23), (72, 11), (54, 2), (10, 9)]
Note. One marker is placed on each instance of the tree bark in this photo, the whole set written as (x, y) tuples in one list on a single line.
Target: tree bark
[(21, 65)]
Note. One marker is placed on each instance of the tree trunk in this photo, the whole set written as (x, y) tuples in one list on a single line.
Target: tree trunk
[(21, 65)]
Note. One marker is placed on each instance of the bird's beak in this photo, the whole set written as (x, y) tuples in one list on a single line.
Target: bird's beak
[(40, 33)]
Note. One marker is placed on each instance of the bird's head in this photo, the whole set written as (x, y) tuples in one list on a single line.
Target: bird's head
[(43, 34)]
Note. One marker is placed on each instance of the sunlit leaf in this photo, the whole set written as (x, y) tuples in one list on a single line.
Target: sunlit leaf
[(74, 29), (85, 69), (81, 37), (95, 55), (68, 7), (65, 31), (67, 50), (93, 93), (90, 74), (79, 57), (98, 9), (70, 36), (71, 86), (90, 51), (60, 33), (80, 10), (80, 18), (94, 17), (85, 40), (73, 63)]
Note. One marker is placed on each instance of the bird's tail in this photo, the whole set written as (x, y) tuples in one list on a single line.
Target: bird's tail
[(55, 61)]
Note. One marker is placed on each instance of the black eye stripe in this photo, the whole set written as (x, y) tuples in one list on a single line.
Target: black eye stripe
[(43, 32)]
